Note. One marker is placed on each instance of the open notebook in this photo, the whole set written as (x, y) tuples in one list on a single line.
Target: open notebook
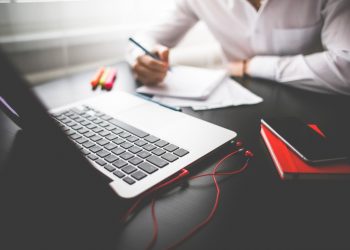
[(187, 82)]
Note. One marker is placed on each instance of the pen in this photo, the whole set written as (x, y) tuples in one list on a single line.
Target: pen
[(154, 56), (161, 104)]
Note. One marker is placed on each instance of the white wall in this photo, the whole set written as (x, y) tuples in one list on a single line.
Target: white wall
[(50, 39)]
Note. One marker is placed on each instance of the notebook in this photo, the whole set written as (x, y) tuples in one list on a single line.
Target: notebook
[(290, 166), (187, 82)]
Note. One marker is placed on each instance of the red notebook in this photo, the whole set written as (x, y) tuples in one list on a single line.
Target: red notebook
[(291, 166)]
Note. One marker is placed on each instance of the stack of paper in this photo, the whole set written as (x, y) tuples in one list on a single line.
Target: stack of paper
[(200, 89)]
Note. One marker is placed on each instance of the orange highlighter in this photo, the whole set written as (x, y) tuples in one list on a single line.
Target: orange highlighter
[(109, 82), (96, 80)]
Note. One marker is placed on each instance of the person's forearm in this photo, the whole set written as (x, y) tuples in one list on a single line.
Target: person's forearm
[(325, 71)]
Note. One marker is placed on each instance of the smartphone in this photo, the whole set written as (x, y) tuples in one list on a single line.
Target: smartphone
[(308, 144)]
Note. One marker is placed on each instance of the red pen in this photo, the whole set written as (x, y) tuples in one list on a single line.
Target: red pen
[(112, 75)]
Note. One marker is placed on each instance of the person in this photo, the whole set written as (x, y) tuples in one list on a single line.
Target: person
[(301, 43)]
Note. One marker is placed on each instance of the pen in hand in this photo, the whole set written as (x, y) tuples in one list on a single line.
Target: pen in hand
[(147, 52)]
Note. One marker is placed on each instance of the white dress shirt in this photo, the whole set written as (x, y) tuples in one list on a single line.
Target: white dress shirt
[(305, 43)]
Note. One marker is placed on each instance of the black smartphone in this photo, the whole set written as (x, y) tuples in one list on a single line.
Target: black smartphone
[(310, 145)]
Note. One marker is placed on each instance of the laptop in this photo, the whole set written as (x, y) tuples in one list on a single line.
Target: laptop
[(135, 143)]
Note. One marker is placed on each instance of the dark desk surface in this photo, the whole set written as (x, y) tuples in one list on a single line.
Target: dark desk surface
[(257, 210)]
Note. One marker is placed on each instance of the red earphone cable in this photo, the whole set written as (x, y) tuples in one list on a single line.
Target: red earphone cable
[(216, 203), (183, 173)]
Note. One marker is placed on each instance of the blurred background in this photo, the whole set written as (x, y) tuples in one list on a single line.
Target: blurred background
[(49, 39)]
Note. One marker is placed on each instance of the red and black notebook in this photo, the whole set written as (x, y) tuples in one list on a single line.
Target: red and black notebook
[(291, 166)]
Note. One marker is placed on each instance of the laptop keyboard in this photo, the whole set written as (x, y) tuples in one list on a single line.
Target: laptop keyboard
[(129, 153)]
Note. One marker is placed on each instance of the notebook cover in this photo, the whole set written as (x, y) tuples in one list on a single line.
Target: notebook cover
[(291, 166)]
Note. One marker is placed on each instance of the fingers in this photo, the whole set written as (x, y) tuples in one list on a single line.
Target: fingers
[(163, 53), (151, 71), (152, 64), (148, 76)]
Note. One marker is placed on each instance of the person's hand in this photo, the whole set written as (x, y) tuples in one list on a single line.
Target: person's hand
[(238, 68), (150, 71)]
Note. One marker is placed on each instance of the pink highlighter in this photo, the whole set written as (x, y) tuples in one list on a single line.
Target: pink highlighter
[(112, 75)]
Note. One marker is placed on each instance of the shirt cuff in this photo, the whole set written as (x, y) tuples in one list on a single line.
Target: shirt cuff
[(263, 67)]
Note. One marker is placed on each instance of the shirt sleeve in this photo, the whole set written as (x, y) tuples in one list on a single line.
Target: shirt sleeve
[(327, 71), (168, 30)]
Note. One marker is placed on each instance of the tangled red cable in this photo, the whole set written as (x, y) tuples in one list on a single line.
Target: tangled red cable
[(182, 174)]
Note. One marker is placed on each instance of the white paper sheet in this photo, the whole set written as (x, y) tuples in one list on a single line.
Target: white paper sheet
[(229, 93), (187, 82)]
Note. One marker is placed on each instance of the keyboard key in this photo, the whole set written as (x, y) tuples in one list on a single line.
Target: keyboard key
[(83, 130), (124, 134), (82, 140), (120, 163), (139, 175), (70, 123), (158, 151), (85, 151), (92, 157), (96, 138), (89, 134), (149, 147), (110, 127), (103, 153), (104, 124), (102, 142), (140, 143), (132, 138), (128, 128), (85, 123), (151, 138), (148, 168), (74, 116), (135, 149), (118, 141), (100, 162), (180, 152), (95, 149), (169, 157), (97, 129), (129, 180), (110, 168), (106, 117), (126, 145), (91, 126), (98, 121), (88, 144), (118, 151), (111, 158), (110, 146), (119, 174), (70, 132), (75, 136), (171, 147), (76, 127), (79, 120), (129, 169), (111, 137), (157, 161), (117, 131), (126, 155), (104, 133), (64, 128), (143, 154), (135, 160), (161, 143)]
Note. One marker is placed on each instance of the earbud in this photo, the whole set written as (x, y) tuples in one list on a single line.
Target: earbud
[(239, 144), (248, 154)]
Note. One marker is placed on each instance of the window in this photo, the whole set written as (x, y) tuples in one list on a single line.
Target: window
[(47, 38)]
